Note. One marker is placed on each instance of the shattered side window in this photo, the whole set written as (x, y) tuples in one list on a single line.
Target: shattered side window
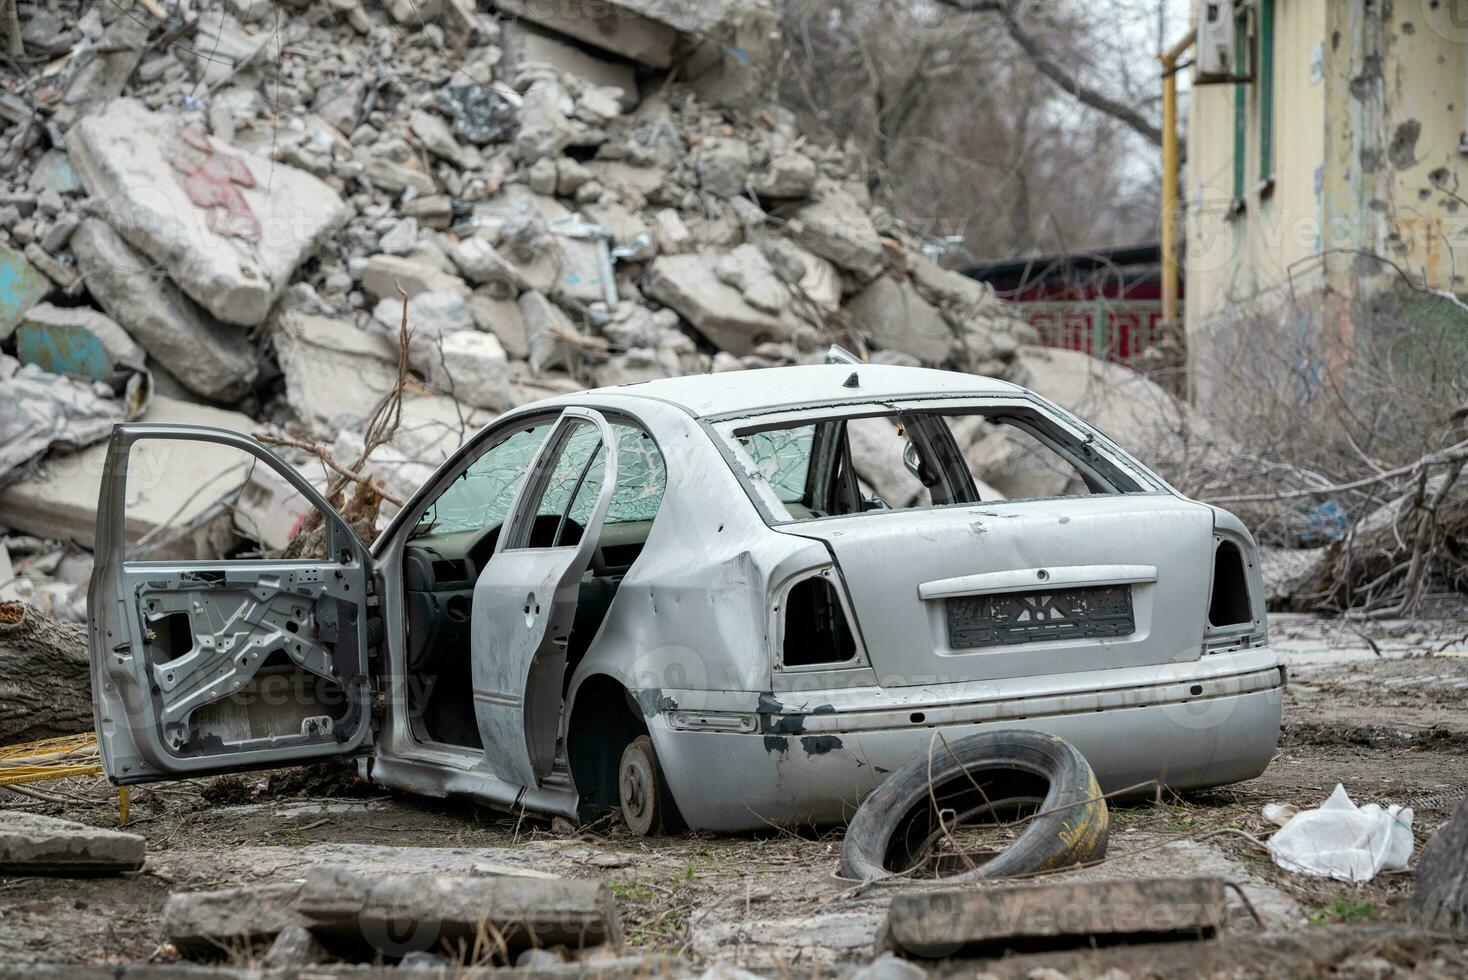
[(482, 494), (783, 458), (641, 480)]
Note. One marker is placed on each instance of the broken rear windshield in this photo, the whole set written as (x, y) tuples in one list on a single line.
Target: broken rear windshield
[(896, 459)]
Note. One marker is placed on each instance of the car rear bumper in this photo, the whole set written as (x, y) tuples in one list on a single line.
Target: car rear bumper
[(1206, 727)]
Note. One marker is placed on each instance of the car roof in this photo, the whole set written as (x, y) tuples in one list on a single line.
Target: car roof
[(732, 392)]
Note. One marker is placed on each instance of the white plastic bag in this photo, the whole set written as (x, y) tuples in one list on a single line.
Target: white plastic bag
[(1343, 841)]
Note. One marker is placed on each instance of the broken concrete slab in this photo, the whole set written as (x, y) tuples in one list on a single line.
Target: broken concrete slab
[(230, 227), (528, 49), (502, 318), (270, 510), (351, 911), (335, 373), (789, 175), (439, 140), (22, 286), (893, 316), (836, 227), (32, 844), (431, 317), (172, 490), (723, 166), (212, 923), (208, 357), (77, 341), (472, 367), (385, 274), (1078, 914), (690, 285), (619, 27)]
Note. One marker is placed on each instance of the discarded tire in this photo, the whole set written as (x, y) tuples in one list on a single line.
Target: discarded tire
[(983, 777)]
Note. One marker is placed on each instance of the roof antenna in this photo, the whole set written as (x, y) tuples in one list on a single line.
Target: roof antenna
[(852, 382), (836, 354)]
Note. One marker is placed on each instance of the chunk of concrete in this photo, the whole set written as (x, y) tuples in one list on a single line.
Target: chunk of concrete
[(173, 487), (789, 175), (612, 26), (836, 227), (439, 140), (295, 946), (230, 919), (230, 227), (77, 341), (502, 318), (355, 911), (472, 367), (272, 511), (690, 285), (209, 358), (1076, 914), (32, 844), (527, 49), (482, 264), (894, 317), (431, 317), (335, 373), (22, 286), (723, 166), (546, 327), (384, 274)]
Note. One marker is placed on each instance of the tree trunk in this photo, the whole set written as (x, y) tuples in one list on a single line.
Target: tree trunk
[(1441, 896), (45, 678)]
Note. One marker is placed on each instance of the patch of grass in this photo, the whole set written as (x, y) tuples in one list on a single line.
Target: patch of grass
[(1342, 910)]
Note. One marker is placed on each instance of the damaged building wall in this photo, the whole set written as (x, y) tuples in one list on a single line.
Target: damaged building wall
[(1364, 123)]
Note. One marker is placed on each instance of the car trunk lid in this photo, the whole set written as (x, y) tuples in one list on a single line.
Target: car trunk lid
[(1009, 589)]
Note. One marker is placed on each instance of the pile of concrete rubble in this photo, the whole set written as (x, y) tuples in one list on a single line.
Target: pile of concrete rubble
[(215, 211)]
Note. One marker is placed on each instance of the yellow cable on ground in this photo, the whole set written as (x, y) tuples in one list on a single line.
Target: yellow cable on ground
[(56, 758)]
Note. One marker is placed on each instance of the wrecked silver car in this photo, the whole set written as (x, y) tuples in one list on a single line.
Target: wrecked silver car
[(723, 601)]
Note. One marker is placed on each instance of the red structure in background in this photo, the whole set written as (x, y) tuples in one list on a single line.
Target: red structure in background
[(1107, 303)]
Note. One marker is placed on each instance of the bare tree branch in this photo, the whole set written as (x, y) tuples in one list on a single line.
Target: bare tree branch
[(1082, 93)]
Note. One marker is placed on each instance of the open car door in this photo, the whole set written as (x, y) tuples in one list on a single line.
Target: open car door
[(525, 598), (209, 666)]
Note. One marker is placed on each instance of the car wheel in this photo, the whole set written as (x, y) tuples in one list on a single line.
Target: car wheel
[(641, 791), (991, 776)]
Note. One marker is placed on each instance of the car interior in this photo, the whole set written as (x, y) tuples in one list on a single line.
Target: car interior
[(457, 535), (840, 466)]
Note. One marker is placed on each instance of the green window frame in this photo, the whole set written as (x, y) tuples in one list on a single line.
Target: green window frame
[(1265, 77), (1241, 101)]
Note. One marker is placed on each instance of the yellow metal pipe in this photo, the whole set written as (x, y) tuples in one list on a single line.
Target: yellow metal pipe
[(1170, 215)]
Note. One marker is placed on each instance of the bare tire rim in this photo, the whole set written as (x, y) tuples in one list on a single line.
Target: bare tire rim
[(637, 789)]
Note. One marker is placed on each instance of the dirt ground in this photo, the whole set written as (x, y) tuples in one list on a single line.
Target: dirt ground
[(1378, 708)]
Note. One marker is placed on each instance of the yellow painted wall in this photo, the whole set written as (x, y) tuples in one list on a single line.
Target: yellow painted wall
[(1369, 117), (1243, 252)]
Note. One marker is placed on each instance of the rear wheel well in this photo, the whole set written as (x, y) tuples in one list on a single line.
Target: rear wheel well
[(604, 721)]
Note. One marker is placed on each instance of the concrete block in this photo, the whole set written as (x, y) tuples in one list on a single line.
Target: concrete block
[(31, 844), (385, 273), (172, 487), (230, 227), (1074, 914), (616, 27), (209, 358), (22, 286), (77, 341), (335, 372), (423, 912), (690, 285), (472, 367), (230, 919), (894, 317), (527, 48), (836, 227)]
